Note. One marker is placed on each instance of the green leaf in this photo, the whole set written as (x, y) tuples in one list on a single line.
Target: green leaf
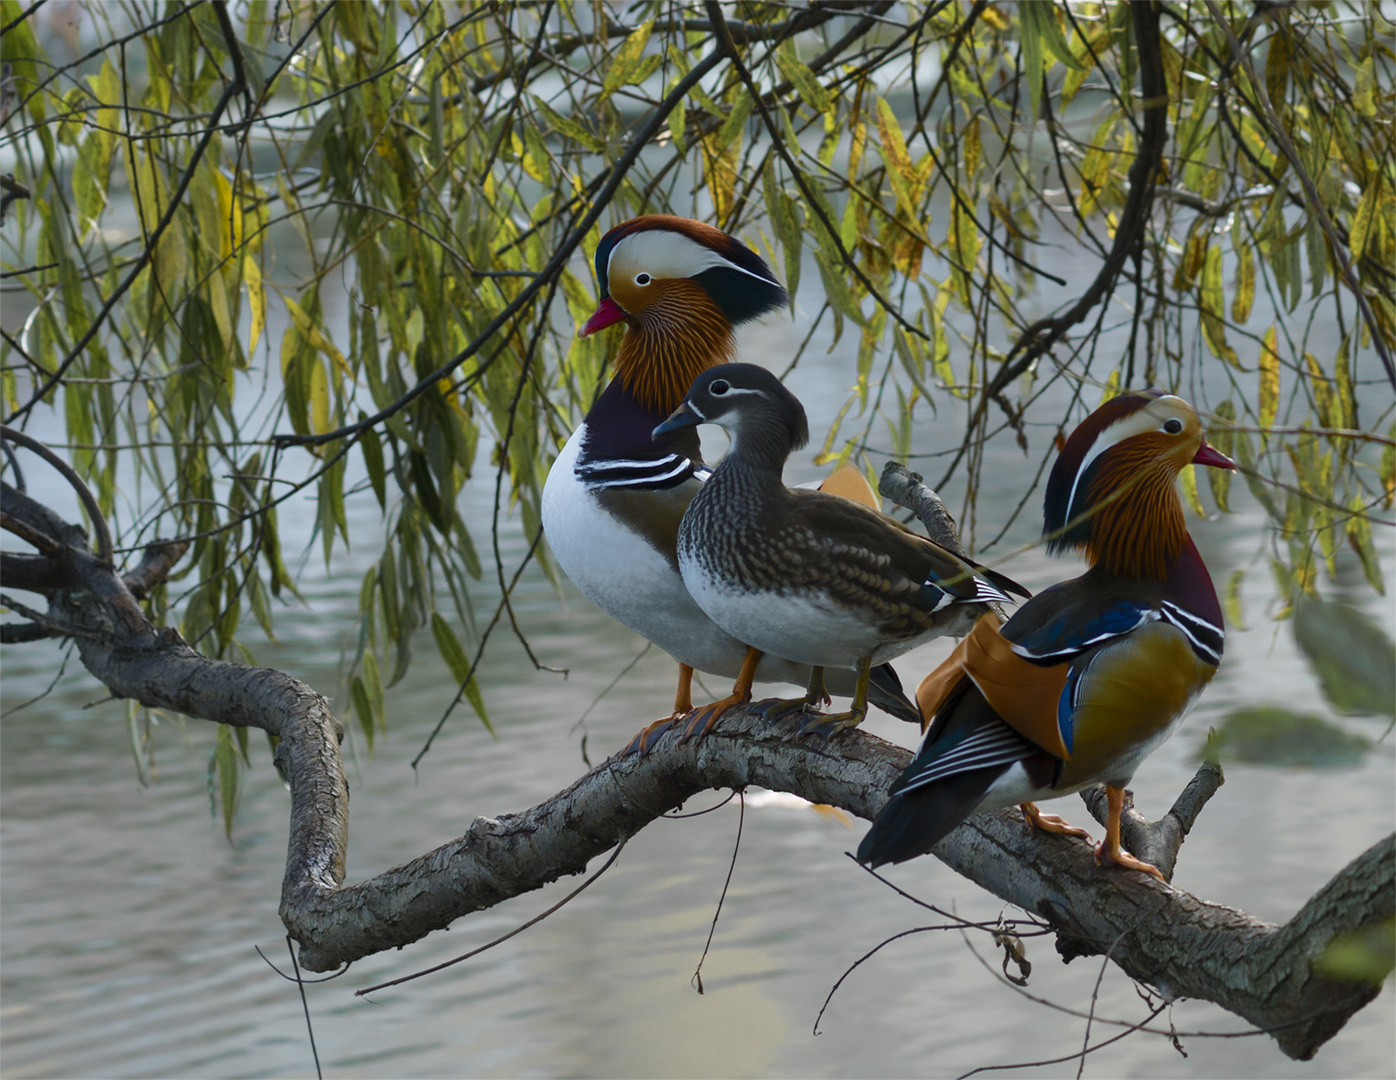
[(373, 461), (678, 125), (1352, 656), (802, 78), (731, 131), (1365, 955), (1271, 735), (567, 127), (451, 651), (373, 685), (363, 711), (626, 59), (225, 770)]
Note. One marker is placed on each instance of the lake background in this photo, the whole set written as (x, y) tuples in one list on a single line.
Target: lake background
[(129, 922)]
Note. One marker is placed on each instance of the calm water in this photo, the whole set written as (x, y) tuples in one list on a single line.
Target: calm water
[(130, 924)]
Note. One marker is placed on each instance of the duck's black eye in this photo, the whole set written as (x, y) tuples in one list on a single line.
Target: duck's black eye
[(642, 278), (718, 387), (1173, 426)]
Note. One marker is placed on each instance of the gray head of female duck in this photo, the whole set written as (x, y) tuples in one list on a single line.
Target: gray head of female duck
[(766, 421)]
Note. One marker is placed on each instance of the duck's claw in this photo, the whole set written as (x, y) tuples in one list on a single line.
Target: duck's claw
[(648, 735), (1051, 823), (773, 709), (701, 719), (830, 724), (1120, 857)]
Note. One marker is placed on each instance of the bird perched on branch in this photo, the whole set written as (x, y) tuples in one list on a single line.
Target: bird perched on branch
[(1089, 676), (802, 574), (614, 498)]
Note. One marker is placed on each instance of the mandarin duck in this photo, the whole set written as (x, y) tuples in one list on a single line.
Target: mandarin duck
[(803, 574), (614, 497), (1090, 675)]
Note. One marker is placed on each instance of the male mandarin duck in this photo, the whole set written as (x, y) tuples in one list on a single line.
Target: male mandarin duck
[(1090, 675), (803, 574), (614, 498)]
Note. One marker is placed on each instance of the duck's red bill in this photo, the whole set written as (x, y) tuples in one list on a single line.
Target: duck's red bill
[(608, 313), (1208, 455)]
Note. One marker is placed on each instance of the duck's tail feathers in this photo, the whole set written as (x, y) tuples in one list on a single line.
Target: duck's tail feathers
[(914, 822)]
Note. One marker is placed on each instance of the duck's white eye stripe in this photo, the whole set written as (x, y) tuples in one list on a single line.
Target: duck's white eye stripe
[(664, 253)]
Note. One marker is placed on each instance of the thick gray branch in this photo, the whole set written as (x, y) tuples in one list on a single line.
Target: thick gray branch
[(1182, 945)]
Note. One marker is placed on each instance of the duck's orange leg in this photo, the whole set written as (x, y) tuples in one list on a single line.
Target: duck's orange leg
[(703, 718), (1050, 823), (683, 705), (1110, 851)]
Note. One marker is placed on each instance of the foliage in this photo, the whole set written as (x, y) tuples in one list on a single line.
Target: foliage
[(444, 169)]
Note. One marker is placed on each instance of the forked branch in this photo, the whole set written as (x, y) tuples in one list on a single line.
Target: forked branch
[(1159, 935)]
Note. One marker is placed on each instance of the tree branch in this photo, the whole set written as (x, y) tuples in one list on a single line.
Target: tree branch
[(1158, 935)]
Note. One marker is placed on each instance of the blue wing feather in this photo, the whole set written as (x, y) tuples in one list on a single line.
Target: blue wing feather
[(1047, 632)]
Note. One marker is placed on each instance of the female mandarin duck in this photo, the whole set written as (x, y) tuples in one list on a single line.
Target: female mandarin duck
[(1090, 675), (614, 497), (803, 574)]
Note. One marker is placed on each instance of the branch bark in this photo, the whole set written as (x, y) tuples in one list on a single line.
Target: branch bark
[(1184, 946)]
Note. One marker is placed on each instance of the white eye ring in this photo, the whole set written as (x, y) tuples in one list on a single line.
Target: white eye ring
[(1173, 425), (642, 278), (718, 387)]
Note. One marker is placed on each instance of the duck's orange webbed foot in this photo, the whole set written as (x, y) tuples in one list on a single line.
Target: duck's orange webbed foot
[(1050, 823), (1110, 850), (702, 719), (1120, 857), (683, 705), (648, 735)]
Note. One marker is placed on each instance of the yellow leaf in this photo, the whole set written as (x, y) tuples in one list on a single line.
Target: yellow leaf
[(1211, 300), (1366, 216), (1269, 378), (312, 334), (216, 292), (973, 149), (1110, 389), (1244, 296), (1347, 400), (1189, 480), (1232, 603), (894, 150), (1323, 391), (1388, 467), (319, 398), (229, 216), (256, 300), (1359, 530)]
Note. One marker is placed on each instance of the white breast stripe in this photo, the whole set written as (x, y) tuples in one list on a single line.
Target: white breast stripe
[(620, 463), (1206, 639), (598, 474)]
